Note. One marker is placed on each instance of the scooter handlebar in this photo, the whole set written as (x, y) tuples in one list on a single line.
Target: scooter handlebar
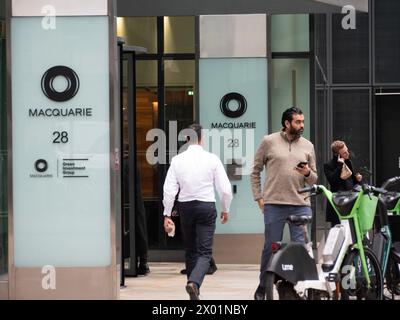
[(379, 190), (368, 189), (390, 181), (312, 188)]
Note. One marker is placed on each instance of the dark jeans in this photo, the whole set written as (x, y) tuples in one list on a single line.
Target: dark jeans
[(274, 219), (198, 227)]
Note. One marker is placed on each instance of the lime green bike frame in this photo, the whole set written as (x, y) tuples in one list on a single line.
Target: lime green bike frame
[(362, 212)]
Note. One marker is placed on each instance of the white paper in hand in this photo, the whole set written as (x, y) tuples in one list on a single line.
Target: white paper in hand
[(172, 232)]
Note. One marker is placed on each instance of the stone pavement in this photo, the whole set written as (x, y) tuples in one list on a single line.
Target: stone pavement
[(164, 282)]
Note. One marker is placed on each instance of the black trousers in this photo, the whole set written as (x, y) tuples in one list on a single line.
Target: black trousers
[(198, 227)]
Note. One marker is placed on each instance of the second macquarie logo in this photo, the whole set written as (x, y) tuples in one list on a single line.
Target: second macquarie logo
[(233, 105), (40, 169)]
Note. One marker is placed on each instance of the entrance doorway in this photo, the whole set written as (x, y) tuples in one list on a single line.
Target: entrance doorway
[(387, 122), (165, 95)]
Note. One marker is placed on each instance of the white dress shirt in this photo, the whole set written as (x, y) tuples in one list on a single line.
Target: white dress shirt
[(194, 173)]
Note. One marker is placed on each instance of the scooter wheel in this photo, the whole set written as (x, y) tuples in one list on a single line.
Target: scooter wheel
[(277, 288), (357, 287)]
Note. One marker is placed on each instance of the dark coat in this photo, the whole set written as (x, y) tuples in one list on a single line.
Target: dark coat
[(332, 171)]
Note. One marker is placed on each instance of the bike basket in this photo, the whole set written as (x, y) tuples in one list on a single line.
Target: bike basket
[(394, 224), (366, 212)]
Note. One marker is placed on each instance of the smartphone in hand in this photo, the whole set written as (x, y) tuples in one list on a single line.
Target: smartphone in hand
[(301, 164)]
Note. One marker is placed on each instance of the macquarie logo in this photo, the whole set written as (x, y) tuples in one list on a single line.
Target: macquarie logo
[(71, 89), (40, 169), (41, 165), (233, 105), (239, 99), (72, 83)]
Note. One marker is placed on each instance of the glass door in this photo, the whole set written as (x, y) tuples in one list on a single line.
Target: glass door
[(129, 164), (3, 154), (165, 95)]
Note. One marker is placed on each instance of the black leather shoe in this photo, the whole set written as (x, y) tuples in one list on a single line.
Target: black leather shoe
[(212, 269), (259, 296), (143, 269), (193, 291), (260, 293)]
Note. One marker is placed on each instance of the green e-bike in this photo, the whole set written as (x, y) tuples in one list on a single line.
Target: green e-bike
[(348, 268), (386, 238)]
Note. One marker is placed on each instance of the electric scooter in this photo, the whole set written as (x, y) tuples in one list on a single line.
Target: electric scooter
[(386, 240), (348, 268)]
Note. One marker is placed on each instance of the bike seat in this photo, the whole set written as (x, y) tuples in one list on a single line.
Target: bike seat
[(390, 199), (299, 220), (344, 201)]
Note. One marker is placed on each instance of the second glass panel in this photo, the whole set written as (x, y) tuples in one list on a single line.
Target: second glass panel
[(290, 33), (290, 87), (179, 35), (179, 93), (147, 119), (138, 31)]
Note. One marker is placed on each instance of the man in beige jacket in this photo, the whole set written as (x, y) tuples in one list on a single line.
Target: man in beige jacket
[(289, 160)]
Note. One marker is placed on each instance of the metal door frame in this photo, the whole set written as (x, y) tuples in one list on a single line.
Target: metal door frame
[(128, 53)]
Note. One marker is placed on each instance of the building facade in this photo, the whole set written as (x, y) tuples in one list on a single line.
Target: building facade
[(234, 69)]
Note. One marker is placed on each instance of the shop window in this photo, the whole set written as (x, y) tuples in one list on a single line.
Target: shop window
[(290, 33), (387, 44), (351, 124), (179, 35), (321, 49), (350, 51), (290, 87), (138, 31)]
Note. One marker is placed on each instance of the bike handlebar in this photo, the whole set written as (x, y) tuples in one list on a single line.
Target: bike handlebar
[(389, 182), (365, 187), (369, 189), (312, 188)]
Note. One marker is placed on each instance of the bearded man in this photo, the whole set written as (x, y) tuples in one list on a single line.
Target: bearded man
[(289, 160)]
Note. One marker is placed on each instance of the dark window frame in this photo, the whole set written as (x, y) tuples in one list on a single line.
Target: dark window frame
[(160, 57)]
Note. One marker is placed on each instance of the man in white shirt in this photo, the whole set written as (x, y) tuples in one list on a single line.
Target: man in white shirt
[(194, 173)]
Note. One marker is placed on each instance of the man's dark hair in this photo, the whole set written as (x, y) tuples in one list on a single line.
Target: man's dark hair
[(197, 129), (288, 114)]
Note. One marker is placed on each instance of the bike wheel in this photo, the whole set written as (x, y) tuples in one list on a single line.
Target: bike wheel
[(354, 284), (392, 276), (278, 289), (314, 294)]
